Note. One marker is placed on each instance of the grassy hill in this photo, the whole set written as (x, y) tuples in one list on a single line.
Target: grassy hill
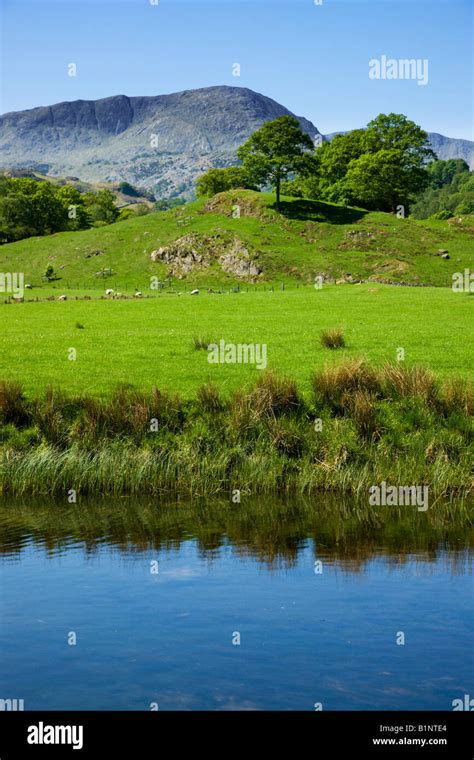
[(308, 239)]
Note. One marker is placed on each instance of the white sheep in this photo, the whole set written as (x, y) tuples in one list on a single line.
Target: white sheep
[(195, 292), (62, 298), (109, 292), (138, 294)]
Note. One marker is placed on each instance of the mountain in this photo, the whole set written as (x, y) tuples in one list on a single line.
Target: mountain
[(161, 143), (452, 147), (444, 147)]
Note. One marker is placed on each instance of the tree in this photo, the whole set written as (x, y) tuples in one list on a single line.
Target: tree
[(275, 151), (378, 181), (125, 213), (48, 211), (101, 207), (396, 131), (127, 189), (17, 217), (38, 207), (380, 167), (219, 180), (332, 161), (443, 172), (74, 213), (164, 204), (451, 191)]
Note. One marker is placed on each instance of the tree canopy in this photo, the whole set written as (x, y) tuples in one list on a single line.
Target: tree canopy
[(219, 180), (275, 151), (450, 192), (381, 167), (31, 207)]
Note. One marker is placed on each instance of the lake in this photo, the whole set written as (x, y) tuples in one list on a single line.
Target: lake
[(272, 604)]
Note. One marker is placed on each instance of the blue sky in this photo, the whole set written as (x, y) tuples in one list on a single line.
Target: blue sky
[(314, 59)]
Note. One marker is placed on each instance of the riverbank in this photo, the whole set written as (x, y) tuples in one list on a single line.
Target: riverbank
[(360, 426)]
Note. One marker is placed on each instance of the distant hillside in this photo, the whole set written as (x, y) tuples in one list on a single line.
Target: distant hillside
[(123, 199), (202, 244), (451, 147), (161, 143)]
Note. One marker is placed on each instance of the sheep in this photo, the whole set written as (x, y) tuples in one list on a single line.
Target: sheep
[(109, 292), (138, 294), (195, 292), (62, 298), (28, 286)]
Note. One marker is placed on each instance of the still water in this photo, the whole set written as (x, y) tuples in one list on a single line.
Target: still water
[(205, 605)]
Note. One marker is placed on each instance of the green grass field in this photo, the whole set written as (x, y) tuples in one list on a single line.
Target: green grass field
[(150, 342)]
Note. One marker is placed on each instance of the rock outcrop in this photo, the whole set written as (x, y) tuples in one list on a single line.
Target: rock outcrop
[(194, 252)]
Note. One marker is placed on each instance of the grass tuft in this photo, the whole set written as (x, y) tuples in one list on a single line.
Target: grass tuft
[(209, 398), (200, 342), (13, 404), (333, 338)]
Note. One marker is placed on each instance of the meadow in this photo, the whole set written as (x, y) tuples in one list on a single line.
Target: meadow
[(149, 342)]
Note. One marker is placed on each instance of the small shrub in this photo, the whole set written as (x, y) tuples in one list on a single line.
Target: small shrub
[(271, 397), (274, 395), (333, 338), (442, 215), (19, 439)]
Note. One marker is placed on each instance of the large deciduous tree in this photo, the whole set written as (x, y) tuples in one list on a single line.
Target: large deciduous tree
[(275, 151), (381, 167)]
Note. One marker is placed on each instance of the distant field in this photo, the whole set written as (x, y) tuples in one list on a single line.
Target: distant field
[(150, 342)]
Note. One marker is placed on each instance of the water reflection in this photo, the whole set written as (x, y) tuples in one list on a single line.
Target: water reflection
[(273, 531)]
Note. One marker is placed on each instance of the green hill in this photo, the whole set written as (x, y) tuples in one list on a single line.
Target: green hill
[(238, 237)]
